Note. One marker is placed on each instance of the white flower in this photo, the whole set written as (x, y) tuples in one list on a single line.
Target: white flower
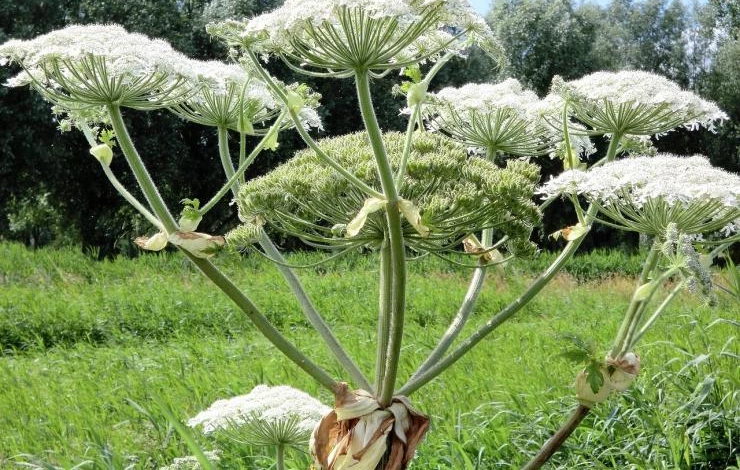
[(226, 96), (647, 193), (343, 35), (98, 65), (268, 404), (633, 103), (488, 117), (190, 462)]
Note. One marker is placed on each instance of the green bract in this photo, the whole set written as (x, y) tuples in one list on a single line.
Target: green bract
[(338, 38), (456, 195)]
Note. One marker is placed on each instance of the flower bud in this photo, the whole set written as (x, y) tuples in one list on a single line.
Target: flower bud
[(103, 153), (585, 394), (417, 94), (295, 101), (189, 221)]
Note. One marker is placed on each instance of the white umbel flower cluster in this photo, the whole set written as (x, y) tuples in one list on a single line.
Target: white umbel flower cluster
[(488, 118), (271, 405), (634, 103), (226, 96), (487, 97), (646, 193), (190, 462), (502, 117), (378, 34), (94, 64)]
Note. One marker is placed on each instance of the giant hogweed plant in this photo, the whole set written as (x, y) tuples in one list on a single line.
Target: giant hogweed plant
[(460, 179)]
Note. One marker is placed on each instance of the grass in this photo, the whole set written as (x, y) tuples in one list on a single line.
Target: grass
[(90, 347)]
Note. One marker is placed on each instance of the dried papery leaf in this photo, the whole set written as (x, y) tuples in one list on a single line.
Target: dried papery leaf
[(156, 242), (200, 245), (362, 441), (323, 438), (353, 404), (625, 371), (416, 426)]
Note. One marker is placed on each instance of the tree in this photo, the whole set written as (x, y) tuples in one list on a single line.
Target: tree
[(542, 39)]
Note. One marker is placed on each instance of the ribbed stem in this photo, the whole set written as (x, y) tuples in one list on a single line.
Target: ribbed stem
[(384, 307), (226, 163), (622, 338), (395, 236), (542, 280), (206, 267), (261, 322), (313, 316), (153, 198), (280, 457), (457, 324)]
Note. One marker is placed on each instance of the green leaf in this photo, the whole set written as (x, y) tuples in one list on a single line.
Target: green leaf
[(413, 72), (594, 376)]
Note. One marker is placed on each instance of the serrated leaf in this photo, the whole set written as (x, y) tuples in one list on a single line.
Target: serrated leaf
[(413, 72), (594, 376)]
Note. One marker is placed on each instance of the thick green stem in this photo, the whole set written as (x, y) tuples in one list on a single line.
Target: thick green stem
[(226, 163), (119, 187), (354, 180), (243, 165), (280, 457), (635, 307), (261, 322), (153, 198), (416, 118), (542, 280), (407, 144), (384, 308), (658, 311), (539, 283), (457, 324), (243, 150), (313, 316), (395, 236), (206, 267)]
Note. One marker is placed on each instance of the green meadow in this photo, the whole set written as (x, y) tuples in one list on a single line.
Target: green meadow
[(94, 353)]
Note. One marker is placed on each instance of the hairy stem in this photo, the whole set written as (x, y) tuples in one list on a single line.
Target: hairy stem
[(238, 174), (557, 440), (153, 198), (384, 307), (313, 316), (507, 312), (205, 266), (395, 237), (457, 324), (354, 180), (621, 341), (226, 163), (261, 322)]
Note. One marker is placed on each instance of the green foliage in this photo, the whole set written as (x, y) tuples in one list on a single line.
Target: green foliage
[(76, 401), (542, 39)]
